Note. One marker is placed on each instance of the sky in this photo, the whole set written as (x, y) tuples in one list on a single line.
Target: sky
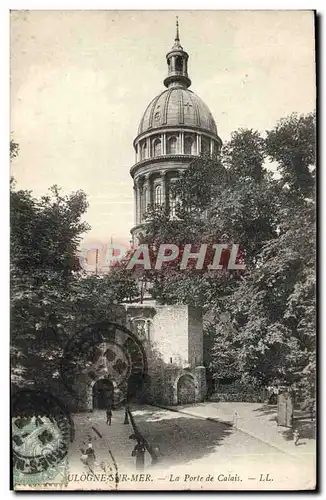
[(81, 80)]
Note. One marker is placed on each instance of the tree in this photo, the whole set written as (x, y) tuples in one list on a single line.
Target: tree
[(45, 235), (244, 155), (221, 199), (270, 333), (292, 145), (273, 309), (51, 296)]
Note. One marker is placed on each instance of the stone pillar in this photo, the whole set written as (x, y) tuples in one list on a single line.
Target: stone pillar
[(138, 210), (164, 144), (149, 199), (201, 387), (163, 184), (148, 144), (212, 146), (135, 204), (198, 144), (182, 143)]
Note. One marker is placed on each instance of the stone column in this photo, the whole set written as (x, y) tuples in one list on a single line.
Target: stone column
[(135, 204), (163, 177), (182, 143), (138, 210), (164, 144), (149, 190), (198, 144), (148, 144)]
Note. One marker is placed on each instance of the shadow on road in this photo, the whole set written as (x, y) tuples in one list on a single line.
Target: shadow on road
[(266, 410), (181, 438), (301, 421), (306, 428)]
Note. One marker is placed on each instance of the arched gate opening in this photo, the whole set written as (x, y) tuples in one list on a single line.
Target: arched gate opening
[(186, 390), (103, 394)]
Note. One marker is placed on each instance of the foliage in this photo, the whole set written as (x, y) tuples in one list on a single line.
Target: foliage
[(51, 296), (261, 327), (269, 336), (292, 145), (14, 149), (216, 205)]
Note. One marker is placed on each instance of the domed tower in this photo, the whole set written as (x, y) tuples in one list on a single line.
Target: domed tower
[(176, 127)]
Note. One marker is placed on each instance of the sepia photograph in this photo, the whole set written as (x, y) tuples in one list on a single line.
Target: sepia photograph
[(163, 250)]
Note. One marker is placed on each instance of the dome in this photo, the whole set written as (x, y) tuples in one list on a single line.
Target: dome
[(177, 106)]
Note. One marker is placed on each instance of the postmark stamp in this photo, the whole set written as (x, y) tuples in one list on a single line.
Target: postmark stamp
[(103, 350), (41, 432)]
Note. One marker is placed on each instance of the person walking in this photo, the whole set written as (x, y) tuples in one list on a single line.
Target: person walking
[(108, 416), (139, 453), (155, 454), (126, 420)]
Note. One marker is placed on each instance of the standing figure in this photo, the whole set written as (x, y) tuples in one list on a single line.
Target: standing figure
[(296, 437), (126, 420), (108, 416), (84, 456), (90, 455), (139, 453), (235, 419), (156, 454)]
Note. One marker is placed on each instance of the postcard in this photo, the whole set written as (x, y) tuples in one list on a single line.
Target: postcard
[(163, 241)]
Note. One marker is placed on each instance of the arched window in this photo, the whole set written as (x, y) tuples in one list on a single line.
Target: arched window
[(172, 145), (158, 195), (205, 145), (156, 144), (189, 145)]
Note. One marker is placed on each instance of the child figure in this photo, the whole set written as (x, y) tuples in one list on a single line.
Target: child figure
[(108, 416), (296, 437), (83, 457), (90, 455)]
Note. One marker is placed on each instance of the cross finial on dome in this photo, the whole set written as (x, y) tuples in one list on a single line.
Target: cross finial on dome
[(177, 45), (177, 39), (177, 63)]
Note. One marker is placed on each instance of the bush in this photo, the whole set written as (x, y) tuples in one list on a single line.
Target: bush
[(238, 397)]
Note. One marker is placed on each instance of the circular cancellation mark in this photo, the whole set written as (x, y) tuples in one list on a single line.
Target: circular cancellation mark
[(42, 429), (102, 350)]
